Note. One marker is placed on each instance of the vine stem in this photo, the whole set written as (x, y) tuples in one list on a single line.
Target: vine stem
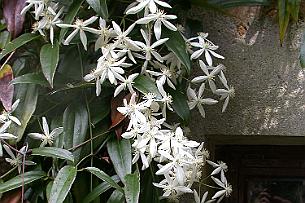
[(8, 172), (83, 143)]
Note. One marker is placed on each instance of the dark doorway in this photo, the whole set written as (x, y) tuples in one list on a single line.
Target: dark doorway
[(264, 174)]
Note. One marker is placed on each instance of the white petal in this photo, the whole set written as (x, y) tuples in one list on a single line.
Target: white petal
[(45, 126), (197, 54), (157, 29), (90, 20), (219, 194), (56, 132), (203, 67), (159, 42), (169, 25), (201, 110), (225, 104), (165, 168), (15, 120), (208, 58), (216, 55), (118, 89), (70, 37), (137, 8), (7, 136), (83, 38), (37, 136)]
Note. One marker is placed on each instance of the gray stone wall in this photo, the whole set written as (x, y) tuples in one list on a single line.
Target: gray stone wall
[(269, 83)]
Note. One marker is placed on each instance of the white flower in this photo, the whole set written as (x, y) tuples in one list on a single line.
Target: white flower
[(39, 6), (150, 4), (164, 76), (134, 111), (149, 49), (205, 46), (48, 22), (209, 76), (166, 99), (199, 101), (171, 187), (226, 93), (105, 34), (7, 116), (46, 137), (5, 135), (160, 18), (121, 36), (107, 67), (17, 160), (80, 26), (226, 188), (204, 197), (220, 166), (126, 82)]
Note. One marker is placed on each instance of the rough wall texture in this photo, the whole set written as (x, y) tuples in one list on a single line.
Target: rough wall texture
[(269, 83)]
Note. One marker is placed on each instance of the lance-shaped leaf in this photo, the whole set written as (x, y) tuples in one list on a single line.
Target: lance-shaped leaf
[(73, 10), (16, 43), (132, 187), (31, 78), (28, 95), (75, 123), (53, 152), (103, 176), (25, 179), (145, 85), (100, 7), (116, 197), (120, 155), (62, 184), (4, 39), (177, 45), (284, 15), (180, 104), (6, 89), (100, 189), (11, 12), (49, 57)]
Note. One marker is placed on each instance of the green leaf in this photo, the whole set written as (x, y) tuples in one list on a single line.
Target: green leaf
[(103, 176), (177, 45), (100, 7), (49, 57), (53, 152), (25, 179), (180, 105), (132, 187), (28, 95), (100, 189), (62, 184), (5, 37), (75, 123), (294, 9), (116, 197), (73, 10), (284, 14), (48, 189), (120, 155), (16, 43), (31, 78), (146, 85)]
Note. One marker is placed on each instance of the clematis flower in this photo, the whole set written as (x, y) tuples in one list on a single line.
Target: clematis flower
[(7, 117), (80, 26), (39, 6), (209, 76), (46, 137), (226, 93), (149, 4), (18, 159), (198, 100), (205, 46), (6, 135), (159, 18), (126, 83)]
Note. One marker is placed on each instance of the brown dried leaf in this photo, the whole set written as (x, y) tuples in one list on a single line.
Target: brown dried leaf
[(6, 89)]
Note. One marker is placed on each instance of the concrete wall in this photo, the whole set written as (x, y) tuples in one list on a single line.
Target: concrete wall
[(269, 83)]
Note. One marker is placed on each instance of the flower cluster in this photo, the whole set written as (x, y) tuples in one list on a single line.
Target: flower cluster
[(124, 57), (6, 119)]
